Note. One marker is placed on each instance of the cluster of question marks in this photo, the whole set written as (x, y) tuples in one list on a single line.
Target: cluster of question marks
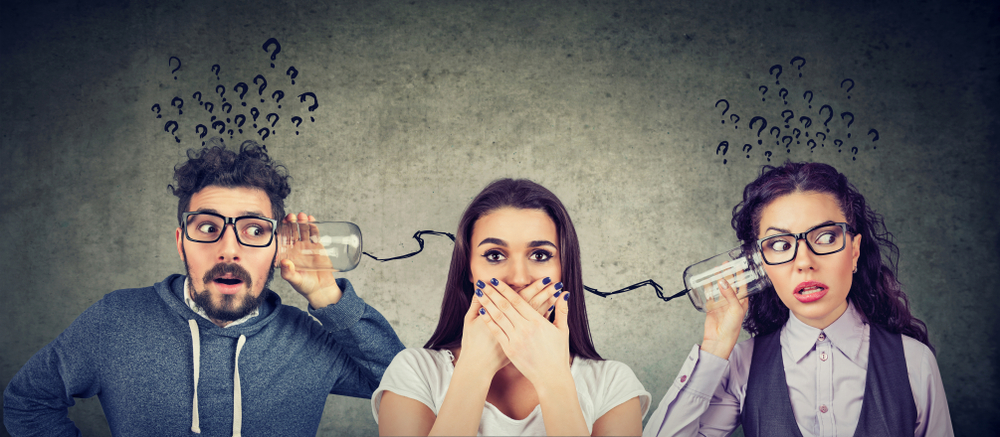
[(801, 123), (230, 115)]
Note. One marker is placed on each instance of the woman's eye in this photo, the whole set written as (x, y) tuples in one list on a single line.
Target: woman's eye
[(493, 256), (541, 256)]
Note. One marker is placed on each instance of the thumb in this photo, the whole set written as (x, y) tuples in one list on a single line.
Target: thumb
[(289, 273), (562, 313)]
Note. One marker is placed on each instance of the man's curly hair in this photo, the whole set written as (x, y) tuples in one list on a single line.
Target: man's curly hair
[(215, 165)]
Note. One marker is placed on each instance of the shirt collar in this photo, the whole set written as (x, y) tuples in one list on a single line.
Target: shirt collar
[(845, 333), (201, 312)]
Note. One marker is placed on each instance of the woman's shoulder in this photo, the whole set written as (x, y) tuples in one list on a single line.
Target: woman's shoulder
[(425, 359)]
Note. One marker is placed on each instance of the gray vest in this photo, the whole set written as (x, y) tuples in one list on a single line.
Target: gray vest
[(887, 408)]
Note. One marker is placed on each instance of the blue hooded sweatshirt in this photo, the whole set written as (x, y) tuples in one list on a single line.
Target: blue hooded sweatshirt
[(161, 369)]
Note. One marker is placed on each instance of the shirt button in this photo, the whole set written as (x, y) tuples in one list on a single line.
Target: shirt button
[(822, 336), (822, 357), (684, 378), (823, 409)]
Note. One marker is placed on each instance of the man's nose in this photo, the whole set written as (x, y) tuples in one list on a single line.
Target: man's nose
[(229, 245)]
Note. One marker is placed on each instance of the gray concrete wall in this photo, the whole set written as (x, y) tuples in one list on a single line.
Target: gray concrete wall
[(611, 105)]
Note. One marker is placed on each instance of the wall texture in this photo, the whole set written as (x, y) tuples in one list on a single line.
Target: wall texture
[(614, 106)]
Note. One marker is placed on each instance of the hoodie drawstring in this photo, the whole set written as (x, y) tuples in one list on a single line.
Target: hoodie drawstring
[(237, 390), (196, 349)]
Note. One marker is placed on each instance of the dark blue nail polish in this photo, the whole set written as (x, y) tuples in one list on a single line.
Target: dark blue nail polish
[(546, 280), (557, 294), (558, 286), (552, 308), (482, 312), (480, 284), (495, 282), (566, 296), (479, 292)]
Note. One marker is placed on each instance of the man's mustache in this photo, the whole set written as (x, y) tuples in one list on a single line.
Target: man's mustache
[(222, 269)]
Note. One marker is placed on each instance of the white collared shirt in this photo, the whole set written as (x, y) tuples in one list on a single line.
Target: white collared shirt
[(201, 312)]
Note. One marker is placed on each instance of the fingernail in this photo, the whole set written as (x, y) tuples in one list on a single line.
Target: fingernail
[(557, 294), (723, 284), (558, 286), (566, 296), (480, 284), (546, 281), (479, 292), (495, 282), (482, 312), (552, 308)]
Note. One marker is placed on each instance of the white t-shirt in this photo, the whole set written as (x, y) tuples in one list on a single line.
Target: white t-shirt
[(424, 375)]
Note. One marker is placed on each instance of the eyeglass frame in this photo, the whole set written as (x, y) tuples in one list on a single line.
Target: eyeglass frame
[(226, 222), (802, 236)]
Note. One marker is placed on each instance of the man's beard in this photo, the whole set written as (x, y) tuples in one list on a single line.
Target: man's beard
[(231, 308)]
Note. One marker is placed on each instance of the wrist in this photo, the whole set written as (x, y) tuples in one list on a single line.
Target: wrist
[(325, 296), (556, 387)]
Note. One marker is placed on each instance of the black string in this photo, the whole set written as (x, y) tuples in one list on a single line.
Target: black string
[(419, 240), (650, 282)]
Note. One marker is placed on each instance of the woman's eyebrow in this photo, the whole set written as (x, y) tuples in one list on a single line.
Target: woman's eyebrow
[(491, 240), (540, 243)]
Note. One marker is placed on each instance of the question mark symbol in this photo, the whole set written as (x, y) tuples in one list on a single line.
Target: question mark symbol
[(173, 131), (277, 48), (798, 58), (724, 147), (813, 142), (216, 69), (762, 92), (280, 94), (156, 108), (763, 124), (171, 61), (724, 110), (783, 93), (855, 151), (737, 120), (777, 133), (838, 143), (790, 116), (264, 132), (275, 118), (228, 107), (747, 148), (263, 85), (197, 95), (240, 119), (825, 123), (221, 91), (254, 112), (292, 72), (297, 120), (797, 132), (209, 106), (776, 76), (873, 131), (848, 88), (806, 121), (851, 121), (768, 155), (241, 86), (178, 103), (788, 145), (810, 99)]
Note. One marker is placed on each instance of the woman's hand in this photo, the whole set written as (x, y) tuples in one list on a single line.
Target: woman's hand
[(538, 348), (723, 322), (480, 350), (319, 287)]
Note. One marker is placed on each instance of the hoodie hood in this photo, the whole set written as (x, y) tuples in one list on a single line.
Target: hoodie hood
[(171, 290)]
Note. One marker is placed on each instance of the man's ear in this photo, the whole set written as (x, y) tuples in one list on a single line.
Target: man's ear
[(179, 236)]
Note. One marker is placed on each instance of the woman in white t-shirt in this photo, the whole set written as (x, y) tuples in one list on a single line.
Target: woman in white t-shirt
[(512, 353)]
